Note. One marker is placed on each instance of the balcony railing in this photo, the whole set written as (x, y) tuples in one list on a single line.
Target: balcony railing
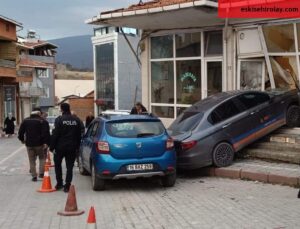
[(7, 63), (31, 91)]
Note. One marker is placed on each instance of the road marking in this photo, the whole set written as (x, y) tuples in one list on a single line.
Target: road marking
[(13, 154)]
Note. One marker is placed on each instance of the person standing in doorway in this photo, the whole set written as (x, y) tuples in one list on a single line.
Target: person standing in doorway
[(89, 119), (65, 142), (9, 125), (34, 132)]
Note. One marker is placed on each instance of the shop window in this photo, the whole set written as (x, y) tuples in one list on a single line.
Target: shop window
[(213, 43), (188, 81), (188, 44), (279, 38), (214, 77), (162, 82), (163, 112), (298, 35), (162, 47), (251, 74), (284, 71)]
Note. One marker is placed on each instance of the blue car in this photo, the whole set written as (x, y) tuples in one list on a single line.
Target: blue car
[(127, 146)]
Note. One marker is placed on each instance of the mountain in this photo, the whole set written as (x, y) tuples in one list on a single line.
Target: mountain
[(76, 51)]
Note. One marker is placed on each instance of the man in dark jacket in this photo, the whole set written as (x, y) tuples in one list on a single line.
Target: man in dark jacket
[(34, 131), (89, 119), (65, 141)]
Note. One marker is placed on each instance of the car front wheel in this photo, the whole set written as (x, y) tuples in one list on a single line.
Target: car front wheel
[(293, 116), (169, 180), (223, 154), (97, 183)]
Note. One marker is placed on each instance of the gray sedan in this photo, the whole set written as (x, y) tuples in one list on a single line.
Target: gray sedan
[(213, 129)]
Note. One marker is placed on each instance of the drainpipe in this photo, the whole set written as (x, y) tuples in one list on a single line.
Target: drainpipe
[(225, 40)]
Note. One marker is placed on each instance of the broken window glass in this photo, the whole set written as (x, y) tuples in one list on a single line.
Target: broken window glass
[(284, 71), (298, 35), (280, 38)]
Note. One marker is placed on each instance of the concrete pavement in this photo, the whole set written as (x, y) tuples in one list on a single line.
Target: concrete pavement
[(194, 202)]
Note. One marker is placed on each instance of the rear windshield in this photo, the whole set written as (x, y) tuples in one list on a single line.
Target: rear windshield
[(187, 121), (135, 129)]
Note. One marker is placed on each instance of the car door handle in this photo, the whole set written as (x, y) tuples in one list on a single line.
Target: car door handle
[(226, 125)]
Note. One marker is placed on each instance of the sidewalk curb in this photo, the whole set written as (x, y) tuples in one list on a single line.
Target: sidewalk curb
[(244, 174)]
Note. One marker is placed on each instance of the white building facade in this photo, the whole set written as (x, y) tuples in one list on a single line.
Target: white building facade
[(189, 53)]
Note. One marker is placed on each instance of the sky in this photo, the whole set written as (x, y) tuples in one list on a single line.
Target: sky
[(52, 19)]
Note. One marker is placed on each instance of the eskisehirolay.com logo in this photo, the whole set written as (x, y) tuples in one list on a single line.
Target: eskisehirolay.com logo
[(259, 8)]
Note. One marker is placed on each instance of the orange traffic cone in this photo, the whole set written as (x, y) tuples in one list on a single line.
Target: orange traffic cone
[(48, 160), (91, 221), (46, 185), (71, 205)]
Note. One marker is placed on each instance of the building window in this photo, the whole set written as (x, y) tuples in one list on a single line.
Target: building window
[(177, 63), (105, 75), (279, 38), (46, 92), (162, 82), (42, 72), (284, 71), (188, 81), (188, 44), (162, 47), (213, 43)]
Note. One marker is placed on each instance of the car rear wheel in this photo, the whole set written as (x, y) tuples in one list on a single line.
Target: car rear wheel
[(293, 116), (223, 155), (82, 170), (169, 180), (97, 183)]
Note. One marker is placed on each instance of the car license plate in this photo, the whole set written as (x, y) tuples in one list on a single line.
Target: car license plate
[(139, 167)]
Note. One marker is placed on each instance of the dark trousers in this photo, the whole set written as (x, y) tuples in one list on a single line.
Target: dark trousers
[(70, 159)]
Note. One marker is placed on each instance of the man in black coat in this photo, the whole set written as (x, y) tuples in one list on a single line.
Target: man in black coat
[(34, 132), (65, 142)]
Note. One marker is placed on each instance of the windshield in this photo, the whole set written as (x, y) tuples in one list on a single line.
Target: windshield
[(187, 121), (135, 129)]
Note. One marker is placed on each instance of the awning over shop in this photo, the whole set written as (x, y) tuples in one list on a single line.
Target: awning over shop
[(156, 15)]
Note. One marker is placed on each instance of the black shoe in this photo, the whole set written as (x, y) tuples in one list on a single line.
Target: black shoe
[(299, 194), (59, 186), (34, 179), (41, 175), (67, 187)]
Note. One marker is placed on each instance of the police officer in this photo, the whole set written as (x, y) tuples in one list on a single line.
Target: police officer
[(65, 142)]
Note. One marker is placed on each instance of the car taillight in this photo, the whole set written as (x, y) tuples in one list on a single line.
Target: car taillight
[(188, 145), (103, 147), (170, 144)]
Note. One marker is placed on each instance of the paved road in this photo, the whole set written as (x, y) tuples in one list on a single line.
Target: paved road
[(195, 202)]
